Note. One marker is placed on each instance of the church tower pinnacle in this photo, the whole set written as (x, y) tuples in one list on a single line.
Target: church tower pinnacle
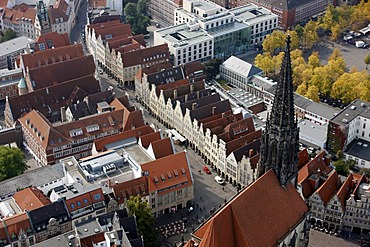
[(280, 140)]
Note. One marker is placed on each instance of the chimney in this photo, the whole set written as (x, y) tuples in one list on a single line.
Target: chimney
[(175, 93), (250, 153), (198, 94), (191, 88), (186, 97), (213, 110), (194, 105), (63, 114)]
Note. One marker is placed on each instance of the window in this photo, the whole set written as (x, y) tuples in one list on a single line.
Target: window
[(73, 205), (79, 204), (97, 196), (86, 201)]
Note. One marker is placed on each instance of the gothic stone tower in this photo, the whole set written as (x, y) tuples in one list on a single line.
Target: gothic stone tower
[(279, 148), (42, 22)]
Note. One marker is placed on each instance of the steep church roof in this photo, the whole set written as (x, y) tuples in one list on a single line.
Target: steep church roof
[(271, 212)]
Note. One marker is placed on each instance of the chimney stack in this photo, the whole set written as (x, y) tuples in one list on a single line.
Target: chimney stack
[(186, 97), (191, 88), (63, 114), (250, 153), (194, 105), (213, 110), (175, 93)]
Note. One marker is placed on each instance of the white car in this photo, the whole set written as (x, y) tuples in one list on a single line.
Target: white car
[(219, 180)]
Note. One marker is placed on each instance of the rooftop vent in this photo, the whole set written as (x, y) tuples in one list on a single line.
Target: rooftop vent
[(353, 107)]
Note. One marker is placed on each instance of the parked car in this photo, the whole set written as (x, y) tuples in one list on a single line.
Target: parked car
[(219, 180), (206, 170)]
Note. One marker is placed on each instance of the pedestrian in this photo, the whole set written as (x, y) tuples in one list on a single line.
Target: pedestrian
[(223, 188), (200, 209), (197, 205), (204, 208)]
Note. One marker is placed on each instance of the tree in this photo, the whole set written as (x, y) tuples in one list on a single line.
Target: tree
[(135, 17), (310, 36), (313, 93), (265, 63), (212, 68), (8, 35), (335, 55), (299, 30), (367, 60), (11, 162), (142, 6), (341, 167), (294, 39), (144, 218), (365, 171), (274, 41), (302, 89), (314, 60), (336, 30)]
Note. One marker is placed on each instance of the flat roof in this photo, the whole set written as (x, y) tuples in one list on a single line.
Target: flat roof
[(252, 14), (356, 108), (227, 28), (14, 45), (312, 130), (37, 177), (359, 148), (175, 35), (137, 154), (88, 228)]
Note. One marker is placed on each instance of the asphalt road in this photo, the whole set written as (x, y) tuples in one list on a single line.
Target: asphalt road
[(75, 35)]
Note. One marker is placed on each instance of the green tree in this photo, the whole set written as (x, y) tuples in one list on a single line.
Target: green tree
[(341, 167), (367, 60), (212, 67), (130, 9), (142, 6), (11, 162), (365, 171), (145, 221), (8, 35), (299, 30)]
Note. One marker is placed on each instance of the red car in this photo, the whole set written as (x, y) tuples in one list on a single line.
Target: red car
[(206, 170)]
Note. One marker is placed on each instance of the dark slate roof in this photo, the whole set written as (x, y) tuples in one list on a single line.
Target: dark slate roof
[(41, 216), (92, 100), (79, 110), (183, 89), (240, 152), (166, 76), (206, 111), (359, 148), (191, 96), (137, 242), (129, 224), (356, 108), (286, 4), (201, 100)]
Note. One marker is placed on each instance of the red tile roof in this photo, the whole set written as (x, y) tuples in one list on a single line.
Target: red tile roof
[(303, 158), (30, 198), (17, 222), (149, 138), (162, 148), (137, 132), (134, 187), (93, 240), (170, 172), (48, 75), (112, 31), (15, 14), (328, 189), (59, 11), (50, 100), (54, 39), (50, 56), (144, 56), (316, 165), (345, 190), (84, 200), (270, 213)]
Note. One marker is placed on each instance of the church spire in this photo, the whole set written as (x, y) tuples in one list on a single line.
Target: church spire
[(279, 147)]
